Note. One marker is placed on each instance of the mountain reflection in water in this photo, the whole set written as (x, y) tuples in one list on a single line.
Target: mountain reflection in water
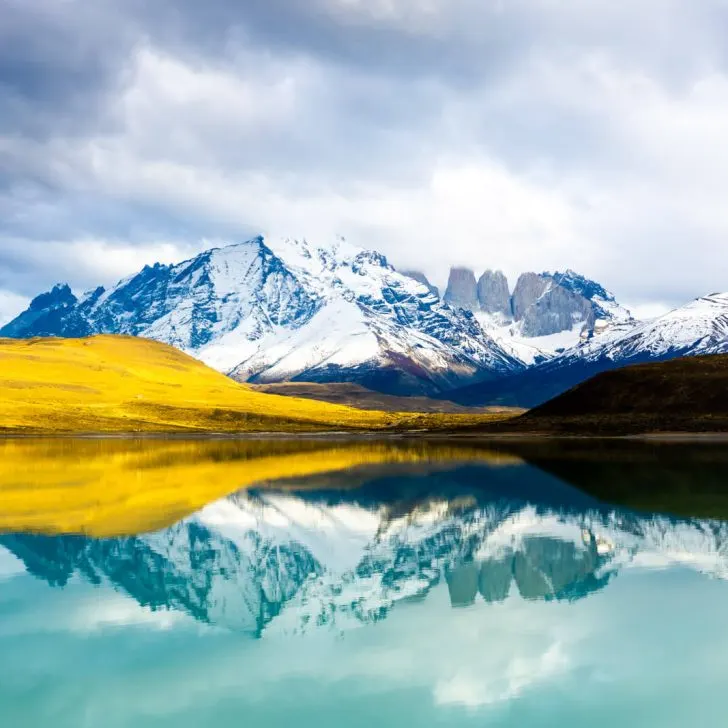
[(337, 534)]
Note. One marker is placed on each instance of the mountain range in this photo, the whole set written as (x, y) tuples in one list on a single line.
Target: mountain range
[(291, 311)]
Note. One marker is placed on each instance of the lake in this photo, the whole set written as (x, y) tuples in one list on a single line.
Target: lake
[(329, 582)]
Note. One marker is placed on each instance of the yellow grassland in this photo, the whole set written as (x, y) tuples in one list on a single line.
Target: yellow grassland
[(122, 384), (117, 487)]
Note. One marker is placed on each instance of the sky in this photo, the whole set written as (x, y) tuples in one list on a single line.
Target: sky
[(512, 134)]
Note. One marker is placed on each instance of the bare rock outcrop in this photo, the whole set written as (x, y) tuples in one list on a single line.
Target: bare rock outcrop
[(493, 294), (462, 290), (543, 307)]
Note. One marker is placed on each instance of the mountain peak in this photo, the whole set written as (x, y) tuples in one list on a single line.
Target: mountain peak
[(257, 243), (60, 295), (577, 283), (420, 277)]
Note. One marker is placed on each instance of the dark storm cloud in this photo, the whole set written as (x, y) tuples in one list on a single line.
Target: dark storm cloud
[(59, 65), (63, 63)]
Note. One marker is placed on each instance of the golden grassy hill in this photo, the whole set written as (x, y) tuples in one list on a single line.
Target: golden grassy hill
[(122, 384)]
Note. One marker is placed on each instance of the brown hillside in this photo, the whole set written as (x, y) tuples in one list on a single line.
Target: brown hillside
[(354, 395)]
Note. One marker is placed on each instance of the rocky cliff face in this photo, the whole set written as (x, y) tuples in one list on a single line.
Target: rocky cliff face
[(543, 307), (546, 314), (542, 304), (529, 288), (493, 294), (462, 290)]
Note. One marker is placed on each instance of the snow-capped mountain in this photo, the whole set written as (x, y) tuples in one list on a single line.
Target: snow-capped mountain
[(272, 562), (700, 327), (545, 314), (289, 310), (286, 311)]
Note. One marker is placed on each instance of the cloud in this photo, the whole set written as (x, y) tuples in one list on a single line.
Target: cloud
[(506, 682), (85, 261), (525, 135)]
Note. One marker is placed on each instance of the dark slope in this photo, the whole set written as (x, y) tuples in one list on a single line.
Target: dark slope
[(682, 395), (529, 388)]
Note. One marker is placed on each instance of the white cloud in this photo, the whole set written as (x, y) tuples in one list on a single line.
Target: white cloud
[(105, 260), (86, 263), (509, 681), (647, 311)]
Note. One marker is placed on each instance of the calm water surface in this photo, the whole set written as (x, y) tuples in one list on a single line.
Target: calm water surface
[(360, 584)]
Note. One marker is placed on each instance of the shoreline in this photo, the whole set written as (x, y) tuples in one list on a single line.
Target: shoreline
[(466, 436)]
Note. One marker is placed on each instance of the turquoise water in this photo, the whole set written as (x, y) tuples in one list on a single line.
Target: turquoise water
[(448, 594)]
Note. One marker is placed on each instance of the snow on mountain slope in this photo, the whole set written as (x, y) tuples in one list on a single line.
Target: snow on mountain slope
[(242, 288), (700, 327), (371, 318), (287, 311), (530, 350)]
